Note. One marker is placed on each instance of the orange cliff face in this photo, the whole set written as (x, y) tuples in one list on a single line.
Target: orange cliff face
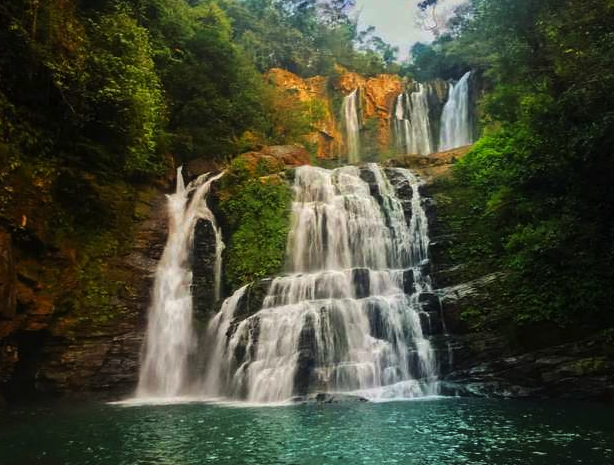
[(377, 96), (327, 136)]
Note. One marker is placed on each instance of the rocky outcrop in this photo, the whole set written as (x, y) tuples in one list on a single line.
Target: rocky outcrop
[(582, 369), (503, 359), (277, 157), (435, 166), (377, 95), (76, 311), (376, 107), (289, 155)]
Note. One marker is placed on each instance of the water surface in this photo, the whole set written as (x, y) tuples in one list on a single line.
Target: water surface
[(437, 432)]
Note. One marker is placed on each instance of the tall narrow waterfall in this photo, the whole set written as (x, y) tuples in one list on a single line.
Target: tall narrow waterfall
[(412, 125), (346, 316), (456, 130), (351, 121), (170, 337)]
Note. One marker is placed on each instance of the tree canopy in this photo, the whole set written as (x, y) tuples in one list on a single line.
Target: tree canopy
[(543, 171)]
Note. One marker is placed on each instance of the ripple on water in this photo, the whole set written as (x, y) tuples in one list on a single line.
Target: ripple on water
[(435, 432)]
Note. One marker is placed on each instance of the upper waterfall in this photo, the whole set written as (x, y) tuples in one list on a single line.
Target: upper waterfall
[(351, 121), (170, 337), (412, 125), (347, 314), (456, 127)]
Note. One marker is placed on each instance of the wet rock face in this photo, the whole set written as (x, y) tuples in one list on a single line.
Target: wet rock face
[(362, 282), (493, 362), (203, 269), (50, 343), (326, 136), (8, 278), (306, 358), (252, 300), (578, 370)]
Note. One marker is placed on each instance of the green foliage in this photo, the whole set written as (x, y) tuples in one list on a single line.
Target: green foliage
[(256, 207), (537, 200), (124, 93), (436, 60), (307, 38)]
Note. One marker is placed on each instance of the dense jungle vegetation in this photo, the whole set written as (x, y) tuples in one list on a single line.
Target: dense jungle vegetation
[(114, 85), (99, 98), (536, 191), (110, 89)]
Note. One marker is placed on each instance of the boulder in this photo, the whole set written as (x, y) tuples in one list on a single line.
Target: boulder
[(335, 398)]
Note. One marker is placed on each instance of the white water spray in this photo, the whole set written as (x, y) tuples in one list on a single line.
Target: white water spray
[(456, 130), (170, 336), (412, 125), (343, 318), (351, 120)]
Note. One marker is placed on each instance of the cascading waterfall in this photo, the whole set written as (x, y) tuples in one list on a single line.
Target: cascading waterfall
[(351, 121), (402, 126), (456, 129), (412, 125), (170, 336), (346, 315)]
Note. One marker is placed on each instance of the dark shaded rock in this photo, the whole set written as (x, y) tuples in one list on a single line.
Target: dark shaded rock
[(377, 321), (306, 361), (415, 365), (334, 398), (252, 300), (203, 269), (431, 323), (362, 282), (8, 278), (368, 176), (429, 302), (570, 371), (55, 345), (247, 344), (400, 183), (403, 191), (409, 282)]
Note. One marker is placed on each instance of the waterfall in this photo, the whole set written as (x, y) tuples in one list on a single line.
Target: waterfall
[(456, 129), (170, 337), (402, 126), (412, 122), (351, 121), (346, 314)]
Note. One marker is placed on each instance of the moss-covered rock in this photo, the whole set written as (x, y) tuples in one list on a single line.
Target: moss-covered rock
[(255, 202)]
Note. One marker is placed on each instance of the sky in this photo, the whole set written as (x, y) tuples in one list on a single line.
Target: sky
[(395, 21)]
